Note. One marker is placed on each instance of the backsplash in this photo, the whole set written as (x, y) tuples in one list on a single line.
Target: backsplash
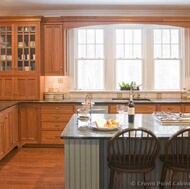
[(61, 84), (121, 94)]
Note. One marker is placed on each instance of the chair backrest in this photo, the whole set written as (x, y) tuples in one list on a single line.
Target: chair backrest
[(177, 149), (134, 148)]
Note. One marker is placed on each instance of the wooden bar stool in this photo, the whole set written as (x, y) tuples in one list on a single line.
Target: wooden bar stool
[(176, 155), (132, 150)]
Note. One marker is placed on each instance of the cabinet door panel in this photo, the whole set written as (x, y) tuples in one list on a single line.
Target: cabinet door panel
[(29, 124), (6, 88), (1, 136), (53, 49), (26, 88)]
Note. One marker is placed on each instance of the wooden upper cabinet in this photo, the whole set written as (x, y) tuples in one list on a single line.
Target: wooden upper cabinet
[(20, 59), (26, 88), (53, 49), (28, 48), (19, 49)]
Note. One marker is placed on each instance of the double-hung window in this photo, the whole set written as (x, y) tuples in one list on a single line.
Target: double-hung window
[(128, 52), (167, 62), (90, 59), (104, 56)]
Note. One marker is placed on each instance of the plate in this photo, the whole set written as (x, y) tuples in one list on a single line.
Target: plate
[(93, 125)]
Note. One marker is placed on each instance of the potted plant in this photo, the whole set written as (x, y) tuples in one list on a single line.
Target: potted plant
[(128, 86)]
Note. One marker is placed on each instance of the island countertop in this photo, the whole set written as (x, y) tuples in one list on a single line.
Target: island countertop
[(78, 129)]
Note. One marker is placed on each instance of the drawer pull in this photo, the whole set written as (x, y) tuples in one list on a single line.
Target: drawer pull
[(57, 108)]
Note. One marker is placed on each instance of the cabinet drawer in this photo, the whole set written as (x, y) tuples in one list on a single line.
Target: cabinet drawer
[(144, 108), (51, 137), (112, 109), (55, 117), (149, 109), (187, 108), (170, 108), (53, 108), (53, 126)]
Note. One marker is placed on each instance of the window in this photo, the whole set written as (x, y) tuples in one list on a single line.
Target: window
[(90, 59), (166, 59), (128, 55), (104, 56)]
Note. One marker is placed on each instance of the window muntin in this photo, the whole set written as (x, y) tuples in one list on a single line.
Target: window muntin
[(145, 50), (166, 59), (90, 59), (128, 59)]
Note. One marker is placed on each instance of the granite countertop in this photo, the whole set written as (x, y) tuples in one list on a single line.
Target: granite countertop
[(80, 130), (110, 101), (7, 104)]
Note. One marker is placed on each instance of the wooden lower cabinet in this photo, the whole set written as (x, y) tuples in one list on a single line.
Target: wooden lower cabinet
[(54, 118), (8, 130), (145, 108), (29, 123), (2, 152), (187, 108), (170, 107), (139, 108)]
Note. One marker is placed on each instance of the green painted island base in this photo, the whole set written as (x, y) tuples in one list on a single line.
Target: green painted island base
[(86, 167)]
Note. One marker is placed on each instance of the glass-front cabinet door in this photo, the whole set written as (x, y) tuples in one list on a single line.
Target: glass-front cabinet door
[(6, 63), (26, 53)]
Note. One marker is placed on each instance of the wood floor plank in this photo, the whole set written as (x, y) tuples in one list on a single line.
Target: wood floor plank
[(33, 168)]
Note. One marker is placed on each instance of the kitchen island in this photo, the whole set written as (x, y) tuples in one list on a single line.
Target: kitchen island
[(86, 151)]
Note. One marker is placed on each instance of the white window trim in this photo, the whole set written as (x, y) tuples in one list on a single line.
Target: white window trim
[(109, 81)]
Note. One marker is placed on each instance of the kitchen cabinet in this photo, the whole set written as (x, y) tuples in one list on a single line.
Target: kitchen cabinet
[(170, 107), (29, 127), (19, 49), (145, 108), (19, 88), (187, 108), (11, 128), (8, 130), (20, 58), (139, 108), (2, 153), (53, 54), (54, 118)]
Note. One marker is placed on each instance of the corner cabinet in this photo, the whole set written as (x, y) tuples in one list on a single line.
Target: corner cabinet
[(8, 130), (53, 55), (20, 58)]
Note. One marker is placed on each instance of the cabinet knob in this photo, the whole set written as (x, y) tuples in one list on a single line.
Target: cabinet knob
[(57, 108)]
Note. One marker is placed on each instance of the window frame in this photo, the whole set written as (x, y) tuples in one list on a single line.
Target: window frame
[(109, 82)]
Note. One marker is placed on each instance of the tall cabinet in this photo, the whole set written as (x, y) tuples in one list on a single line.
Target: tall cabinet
[(53, 51), (20, 58)]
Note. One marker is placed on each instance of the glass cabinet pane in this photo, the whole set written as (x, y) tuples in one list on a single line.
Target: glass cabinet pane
[(26, 48), (5, 48)]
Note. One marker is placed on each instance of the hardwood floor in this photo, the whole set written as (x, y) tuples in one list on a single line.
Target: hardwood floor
[(33, 168)]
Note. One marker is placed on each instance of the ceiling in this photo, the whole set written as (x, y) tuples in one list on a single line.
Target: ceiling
[(19, 6)]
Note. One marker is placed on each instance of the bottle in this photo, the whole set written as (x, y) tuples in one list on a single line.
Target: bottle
[(131, 110)]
